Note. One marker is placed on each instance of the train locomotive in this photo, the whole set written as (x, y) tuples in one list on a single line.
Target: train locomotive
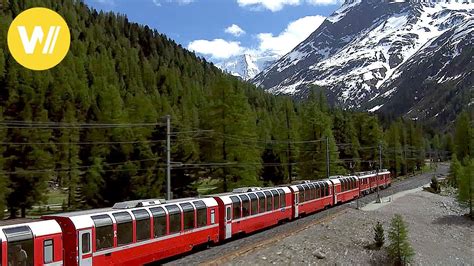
[(145, 231)]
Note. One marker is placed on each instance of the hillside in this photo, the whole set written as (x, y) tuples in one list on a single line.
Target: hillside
[(94, 127), (398, 58)]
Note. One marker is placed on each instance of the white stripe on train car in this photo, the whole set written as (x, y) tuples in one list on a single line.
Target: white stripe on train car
[(150, 241), (210, 202)]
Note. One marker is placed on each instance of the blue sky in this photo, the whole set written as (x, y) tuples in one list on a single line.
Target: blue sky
[(219, 29)]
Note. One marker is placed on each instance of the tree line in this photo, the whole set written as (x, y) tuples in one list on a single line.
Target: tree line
[(94, 124)]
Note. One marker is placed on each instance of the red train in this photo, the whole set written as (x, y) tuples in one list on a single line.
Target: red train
[(140, 232)]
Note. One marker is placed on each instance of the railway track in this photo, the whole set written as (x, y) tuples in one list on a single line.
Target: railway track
[(225, 252)]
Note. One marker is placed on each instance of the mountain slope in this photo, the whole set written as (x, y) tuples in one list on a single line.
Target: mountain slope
[(367, 47), (247, 66)]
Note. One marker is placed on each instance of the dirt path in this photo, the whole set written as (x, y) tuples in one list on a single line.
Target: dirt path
[(438, 232)]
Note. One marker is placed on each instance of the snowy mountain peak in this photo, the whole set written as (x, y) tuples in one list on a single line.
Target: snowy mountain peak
[(247, 66), (364, 46)]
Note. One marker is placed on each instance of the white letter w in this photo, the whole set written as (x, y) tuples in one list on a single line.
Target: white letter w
[(30, 44)]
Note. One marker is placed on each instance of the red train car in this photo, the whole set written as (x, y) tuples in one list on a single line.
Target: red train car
[(367, 182), (247, 210), (31, 243), (346, 188), (384, 179), (138, 232), (311, 196)]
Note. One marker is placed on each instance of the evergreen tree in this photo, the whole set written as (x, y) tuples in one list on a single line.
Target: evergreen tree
[(316, 133), (399, 249), (379, 235), (234, 140), (463, 136), (465, 180)]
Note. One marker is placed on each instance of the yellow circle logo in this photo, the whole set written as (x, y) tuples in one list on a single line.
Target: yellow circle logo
[(39, 38)]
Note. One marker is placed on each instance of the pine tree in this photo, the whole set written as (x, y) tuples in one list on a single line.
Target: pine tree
[(316, 129), (379, 235), (463, 136), (399, 249), (455, 171), (465, 180)]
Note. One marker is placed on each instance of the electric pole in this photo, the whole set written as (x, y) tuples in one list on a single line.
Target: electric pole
[(168, 157), (378, 172), (327, 157)]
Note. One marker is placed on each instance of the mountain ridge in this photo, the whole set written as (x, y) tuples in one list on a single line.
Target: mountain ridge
[(356, 54)]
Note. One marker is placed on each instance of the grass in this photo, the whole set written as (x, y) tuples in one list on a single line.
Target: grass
[(207, 186), (56, 196)]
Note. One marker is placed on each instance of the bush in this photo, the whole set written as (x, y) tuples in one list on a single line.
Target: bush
[(399, 250), (379, 235), (435, 185)]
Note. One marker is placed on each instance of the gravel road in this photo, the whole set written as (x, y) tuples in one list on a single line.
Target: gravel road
[(247, 249)]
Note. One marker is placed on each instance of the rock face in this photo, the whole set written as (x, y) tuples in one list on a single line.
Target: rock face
[(393, 57)]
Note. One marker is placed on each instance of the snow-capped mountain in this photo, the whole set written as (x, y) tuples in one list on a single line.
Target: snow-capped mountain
[(370, 52), (247, 66)]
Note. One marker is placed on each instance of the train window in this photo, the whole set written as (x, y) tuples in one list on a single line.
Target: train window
[(236, 207), (245, 205), (301, 190), (86, 247), (253, 203), (124, 228), (201, 210), (188, 214), (269, 197), (327, 189), (104, 232), (20, 245), (311, 191), (142, 221), (276, 199), (213, 216), (261, 201), (48, 248), (175, 218), (306, 193), (159, 221), (282, 197)]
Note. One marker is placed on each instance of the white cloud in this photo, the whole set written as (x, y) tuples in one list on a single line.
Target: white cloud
[(273, 5), (235, 30), (179, 2), (277, 5), (296, 32), (323, 2), (217, 48)]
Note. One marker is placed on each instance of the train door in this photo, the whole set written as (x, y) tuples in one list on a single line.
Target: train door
[(296, 195), (228, 221), (85, 248)]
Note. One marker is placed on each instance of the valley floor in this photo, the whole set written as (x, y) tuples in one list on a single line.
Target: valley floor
[(438, 232)]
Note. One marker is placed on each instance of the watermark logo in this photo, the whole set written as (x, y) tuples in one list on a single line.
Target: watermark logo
[(39, 38)]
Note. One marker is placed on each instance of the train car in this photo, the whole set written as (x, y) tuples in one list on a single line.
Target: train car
[(246, 210), (346, 188), (138, 232), (311, 196), (367, 182), (384, 179), (35, 242)]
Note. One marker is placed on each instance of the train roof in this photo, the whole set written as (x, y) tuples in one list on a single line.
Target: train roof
[(33, 227), (83, 219)]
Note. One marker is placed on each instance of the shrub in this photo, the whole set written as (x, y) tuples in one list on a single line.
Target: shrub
[(379, 235), (399, 250)]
